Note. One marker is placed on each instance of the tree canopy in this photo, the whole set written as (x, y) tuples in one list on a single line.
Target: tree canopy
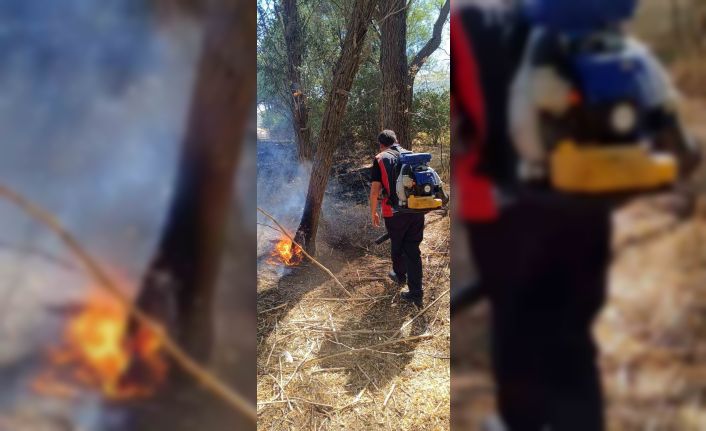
[(323, 31)]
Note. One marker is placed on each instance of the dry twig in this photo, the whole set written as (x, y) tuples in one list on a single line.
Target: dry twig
[(370, 348), (409, 322), (191, 367)]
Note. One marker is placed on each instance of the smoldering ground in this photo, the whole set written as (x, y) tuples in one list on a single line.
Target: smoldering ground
[(282, 184)]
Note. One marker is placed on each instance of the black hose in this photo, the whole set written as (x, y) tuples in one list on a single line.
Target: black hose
[(467, 297), (382, 239)]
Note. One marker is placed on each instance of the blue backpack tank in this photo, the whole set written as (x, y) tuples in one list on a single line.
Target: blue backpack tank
[(578, 15), (419, 188), (582, 40), (595, 143)]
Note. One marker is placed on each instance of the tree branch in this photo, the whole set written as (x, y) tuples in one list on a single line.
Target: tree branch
[(433, 43)]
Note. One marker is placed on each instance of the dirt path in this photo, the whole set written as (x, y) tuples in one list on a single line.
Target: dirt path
[(303, 316)]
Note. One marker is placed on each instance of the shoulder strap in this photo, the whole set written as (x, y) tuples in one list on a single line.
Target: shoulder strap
[(398, 151)]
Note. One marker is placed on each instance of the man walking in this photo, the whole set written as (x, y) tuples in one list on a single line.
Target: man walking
[(406, 230)]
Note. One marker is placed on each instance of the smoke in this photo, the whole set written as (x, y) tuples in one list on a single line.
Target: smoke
[(92, 101), (282, 184), (93, 97)]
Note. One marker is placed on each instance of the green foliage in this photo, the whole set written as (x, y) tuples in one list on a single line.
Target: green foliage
[(420, 21), (276, 123), (324, 24), (431, 115)]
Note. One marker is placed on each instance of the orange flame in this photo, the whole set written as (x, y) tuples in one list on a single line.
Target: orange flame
[(95, 353), (286, 252)]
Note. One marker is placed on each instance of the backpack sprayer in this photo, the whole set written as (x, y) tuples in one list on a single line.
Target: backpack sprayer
[(418, 187), (586, 104), (588, 108)]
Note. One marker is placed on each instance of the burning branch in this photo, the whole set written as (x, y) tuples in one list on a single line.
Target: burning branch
[(284, 231), (191, 367)]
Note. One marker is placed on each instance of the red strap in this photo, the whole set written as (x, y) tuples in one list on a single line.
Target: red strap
[(475, 192), (466, 79), (386, 207)]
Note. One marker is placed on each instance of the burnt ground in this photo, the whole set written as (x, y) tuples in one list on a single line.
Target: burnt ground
[(304, 318)]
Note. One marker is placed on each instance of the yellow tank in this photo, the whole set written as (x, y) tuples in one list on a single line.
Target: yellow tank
[(603, 169), (423, 203)]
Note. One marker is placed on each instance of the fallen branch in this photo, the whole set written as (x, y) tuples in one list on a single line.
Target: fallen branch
[(369, 348), (191, 367), (409, 322), (273, 308), (389, 394), (301, 400), (284, 231)]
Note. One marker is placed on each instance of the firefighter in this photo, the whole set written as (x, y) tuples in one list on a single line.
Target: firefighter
[(406, 230)]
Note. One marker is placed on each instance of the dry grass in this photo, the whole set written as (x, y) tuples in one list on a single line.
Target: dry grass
[(440, 152), (303, 321), (653, 350), (689, 73)]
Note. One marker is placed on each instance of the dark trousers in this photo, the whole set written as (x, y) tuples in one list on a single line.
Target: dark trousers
[(406, 233), (544, 264)]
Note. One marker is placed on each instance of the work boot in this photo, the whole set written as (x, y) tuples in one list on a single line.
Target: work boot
[(414, 299), (399, 280)]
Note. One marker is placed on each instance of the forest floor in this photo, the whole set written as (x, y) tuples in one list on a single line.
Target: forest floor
[(651, 333), (368, 361)]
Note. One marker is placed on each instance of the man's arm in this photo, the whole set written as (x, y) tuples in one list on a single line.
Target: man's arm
[(375, 188)]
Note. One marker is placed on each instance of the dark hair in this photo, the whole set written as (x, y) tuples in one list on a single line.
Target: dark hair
[(387, 138)]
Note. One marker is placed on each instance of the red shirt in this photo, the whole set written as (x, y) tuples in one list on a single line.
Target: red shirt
[(383, 171), (476, 202)]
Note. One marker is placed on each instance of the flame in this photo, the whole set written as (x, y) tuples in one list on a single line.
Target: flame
[(97, 353), (286, 252)]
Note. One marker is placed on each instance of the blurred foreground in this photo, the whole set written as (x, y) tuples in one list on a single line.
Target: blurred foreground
[(95, 98)]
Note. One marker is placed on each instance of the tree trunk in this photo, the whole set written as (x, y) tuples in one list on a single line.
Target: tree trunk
[(395, 106), (179, 285), (398, 80), (344, 73), (298, 104)]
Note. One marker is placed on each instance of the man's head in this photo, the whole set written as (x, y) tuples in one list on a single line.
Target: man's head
[(387, 138)]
